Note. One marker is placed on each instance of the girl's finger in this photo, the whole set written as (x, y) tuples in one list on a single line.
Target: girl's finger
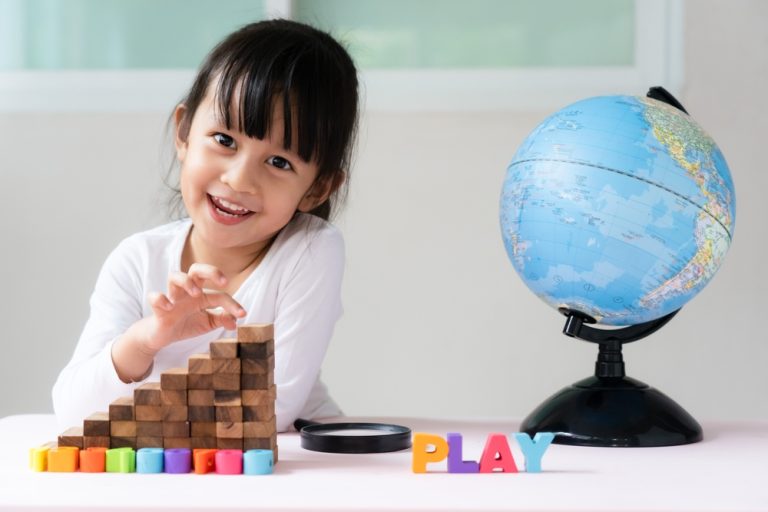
[(202, 272), (218, 319), (159, 301), (225, 301), (180, 284)]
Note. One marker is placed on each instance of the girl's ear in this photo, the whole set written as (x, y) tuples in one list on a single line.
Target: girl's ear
[(182, 131), (321, 191)]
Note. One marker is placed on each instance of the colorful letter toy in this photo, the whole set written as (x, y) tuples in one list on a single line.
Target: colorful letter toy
[(38, 457), (422, 453), (534, 450), (63, 459), (93, 460), (121, 460), (204, 460), (497, 455), (229, 462), (149, 460), (456, 463), (258, 462), (178, 460)]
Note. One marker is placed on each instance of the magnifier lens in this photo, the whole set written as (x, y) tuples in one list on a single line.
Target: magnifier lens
[(351, 432)]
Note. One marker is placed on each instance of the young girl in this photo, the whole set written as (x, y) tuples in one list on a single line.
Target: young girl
[(263, 139)]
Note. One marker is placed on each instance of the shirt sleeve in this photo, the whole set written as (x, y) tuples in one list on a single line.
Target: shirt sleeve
[(89, 382), (307, 308)]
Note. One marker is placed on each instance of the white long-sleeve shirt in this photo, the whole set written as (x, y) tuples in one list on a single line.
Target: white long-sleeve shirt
[(297, 286)]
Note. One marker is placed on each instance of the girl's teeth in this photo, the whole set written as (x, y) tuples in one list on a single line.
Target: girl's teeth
[(226, 214), (231, 206)]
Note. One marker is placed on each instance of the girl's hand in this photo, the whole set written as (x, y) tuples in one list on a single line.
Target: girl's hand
[(187, 309)]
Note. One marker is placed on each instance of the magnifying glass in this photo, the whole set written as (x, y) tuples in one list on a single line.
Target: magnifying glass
[(353, 437)]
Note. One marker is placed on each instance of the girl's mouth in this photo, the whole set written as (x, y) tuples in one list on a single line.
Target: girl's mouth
[(225, 212)]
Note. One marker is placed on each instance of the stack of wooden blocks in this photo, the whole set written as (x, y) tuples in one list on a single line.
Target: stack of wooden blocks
[(224, 399)]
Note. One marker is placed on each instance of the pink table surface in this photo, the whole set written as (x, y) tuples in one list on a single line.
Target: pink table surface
[(728, 471)]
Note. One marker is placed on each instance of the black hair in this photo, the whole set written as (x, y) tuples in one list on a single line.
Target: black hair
[(305, 67)]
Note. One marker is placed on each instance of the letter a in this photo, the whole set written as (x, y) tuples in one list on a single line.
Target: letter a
[(497, 444)]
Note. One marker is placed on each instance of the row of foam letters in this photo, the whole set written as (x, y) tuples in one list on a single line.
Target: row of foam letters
[(151, 460), (496, 457)]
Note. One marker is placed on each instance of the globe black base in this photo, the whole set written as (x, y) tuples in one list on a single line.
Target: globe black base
[(613, 412)]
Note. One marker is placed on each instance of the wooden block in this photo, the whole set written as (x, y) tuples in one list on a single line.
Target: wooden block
[(229, 429), (122, 429), (121, 409), (256, 349), (224, 443), (203, 413), (202, 429), (174, 378), (149, 442), (258, 396), (200, 381), (259, 428), (149, 412), (175, 413), (255, 332), (260, 443), (229, 413), (174, 396), (176, 429), (222, 398), (149, 429), (177, 442), (224, 348), (226, 381), (73, 436), (252, 381), (97, 424), (204, 442), (147, 394), (258, 366), (200, 397), (122, 442), (258, 412), (226, 366), (95, 442), (199, 364)]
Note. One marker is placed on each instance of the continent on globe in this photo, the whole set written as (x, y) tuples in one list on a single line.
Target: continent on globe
[(619, 207)]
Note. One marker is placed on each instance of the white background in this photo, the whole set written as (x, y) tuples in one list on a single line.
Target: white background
[(436, 321)]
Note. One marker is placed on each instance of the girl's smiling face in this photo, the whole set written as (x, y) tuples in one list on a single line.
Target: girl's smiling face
[(240, 191)]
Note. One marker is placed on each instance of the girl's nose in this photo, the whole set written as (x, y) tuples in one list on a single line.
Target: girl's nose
[(241, 177)]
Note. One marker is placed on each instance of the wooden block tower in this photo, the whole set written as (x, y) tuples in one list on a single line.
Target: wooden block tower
[(224, 399)]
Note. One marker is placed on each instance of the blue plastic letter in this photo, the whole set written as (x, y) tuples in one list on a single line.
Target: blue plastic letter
[(534, 450)]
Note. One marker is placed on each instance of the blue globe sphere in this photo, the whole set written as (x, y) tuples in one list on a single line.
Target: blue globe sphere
[(619, 207)]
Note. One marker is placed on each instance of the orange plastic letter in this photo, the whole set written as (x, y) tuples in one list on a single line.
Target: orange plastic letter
[(422, 454)]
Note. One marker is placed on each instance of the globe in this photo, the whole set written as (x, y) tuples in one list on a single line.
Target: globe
[(618, 207)]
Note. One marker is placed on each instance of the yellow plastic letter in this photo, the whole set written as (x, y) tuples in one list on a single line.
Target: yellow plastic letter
[(422, 454)]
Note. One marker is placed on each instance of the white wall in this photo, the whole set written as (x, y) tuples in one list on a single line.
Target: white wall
[(436, 321)]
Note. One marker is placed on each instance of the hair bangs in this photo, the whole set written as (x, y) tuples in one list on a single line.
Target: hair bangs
[(249, 89)]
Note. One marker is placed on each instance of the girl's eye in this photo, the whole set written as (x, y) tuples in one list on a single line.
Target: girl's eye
[(280, 163), (224, 140)]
